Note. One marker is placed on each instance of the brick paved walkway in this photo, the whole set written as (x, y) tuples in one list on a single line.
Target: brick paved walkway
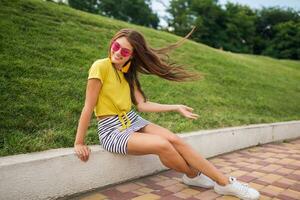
[(273, 169)]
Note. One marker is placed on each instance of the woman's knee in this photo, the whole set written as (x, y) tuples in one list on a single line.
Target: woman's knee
[(176, 140), (163, 146), (173, 138)]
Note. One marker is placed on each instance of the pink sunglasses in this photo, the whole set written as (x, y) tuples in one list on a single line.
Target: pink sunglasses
[(124, 51)]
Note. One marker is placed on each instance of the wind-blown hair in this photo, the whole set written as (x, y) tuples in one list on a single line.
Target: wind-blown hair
[(148, 60)]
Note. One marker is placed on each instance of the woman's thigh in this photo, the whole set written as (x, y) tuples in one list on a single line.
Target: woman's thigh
[(141, 144), (155, 129)]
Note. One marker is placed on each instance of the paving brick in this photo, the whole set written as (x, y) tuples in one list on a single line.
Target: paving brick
[(192, 198), (128, 187), (283, 171), (263, 197), (272, 160), (190, 191), (246, 178), (271, 190), (281, 185), (95, 196), (124, 196), (228, 169), (256, 185), (295, 187), (171, 197), (257, 174), (154, 186), (111, 192), (280, 155), (216, 160), (292, 166), (296, 172), (167, 182), (140, 183), (254, 166), (284, 197), (287, 161), (226, 197), (241, 164), (260, 182), (171, 174), (138, 192), (272, 169), (269, 155), (156, 178), (293, 177), (182, 195), (224, 164), (270, 178), (162, 177), (263, 163), (286, 181), (145, 190), (176, 187), (291, 193), (238, 173), (207, 195), (147, 197), (162, 192)]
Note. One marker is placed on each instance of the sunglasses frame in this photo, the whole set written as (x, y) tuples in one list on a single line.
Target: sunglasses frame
[(124, 51)]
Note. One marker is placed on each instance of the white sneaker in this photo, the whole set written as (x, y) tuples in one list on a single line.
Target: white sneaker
[(235, 188), (200, 180)]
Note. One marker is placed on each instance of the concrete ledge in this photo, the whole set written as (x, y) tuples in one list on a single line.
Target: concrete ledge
[(57, 173)]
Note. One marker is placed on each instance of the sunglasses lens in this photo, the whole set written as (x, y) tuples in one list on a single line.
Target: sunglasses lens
[(115, 46), (125, 52)]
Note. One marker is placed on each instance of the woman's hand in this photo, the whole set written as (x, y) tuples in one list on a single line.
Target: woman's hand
[(82, 151), (186, 111)]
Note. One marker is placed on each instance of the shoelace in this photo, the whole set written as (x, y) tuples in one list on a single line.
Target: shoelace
[(124, 124), (243, 187)]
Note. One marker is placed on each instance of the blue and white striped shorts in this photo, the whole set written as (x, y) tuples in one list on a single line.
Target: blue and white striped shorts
[(114, 140)]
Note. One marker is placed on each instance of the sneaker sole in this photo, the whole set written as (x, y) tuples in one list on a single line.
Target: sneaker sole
[(235, 196), (203, 186)]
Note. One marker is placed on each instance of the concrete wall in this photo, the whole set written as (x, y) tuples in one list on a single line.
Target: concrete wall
[(56, 173)]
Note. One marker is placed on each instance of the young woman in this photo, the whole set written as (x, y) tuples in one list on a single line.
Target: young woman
[(113, 86)]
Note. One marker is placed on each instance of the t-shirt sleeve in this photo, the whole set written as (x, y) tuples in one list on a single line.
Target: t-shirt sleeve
[(98, 71)]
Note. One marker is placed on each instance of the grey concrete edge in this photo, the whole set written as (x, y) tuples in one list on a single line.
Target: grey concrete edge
[(59, 173)]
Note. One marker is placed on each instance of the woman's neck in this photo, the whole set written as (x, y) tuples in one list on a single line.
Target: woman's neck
[(118, 67)]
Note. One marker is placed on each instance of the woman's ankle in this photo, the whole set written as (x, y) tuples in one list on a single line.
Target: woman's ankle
[(223, 181), (192, 174)]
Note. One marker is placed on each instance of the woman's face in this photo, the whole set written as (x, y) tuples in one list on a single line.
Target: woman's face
[(121, 51)]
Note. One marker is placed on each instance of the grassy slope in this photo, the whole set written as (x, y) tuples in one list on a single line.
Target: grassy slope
[(47, 49)]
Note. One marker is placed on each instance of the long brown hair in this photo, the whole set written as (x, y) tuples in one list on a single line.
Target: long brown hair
[(148, 60)]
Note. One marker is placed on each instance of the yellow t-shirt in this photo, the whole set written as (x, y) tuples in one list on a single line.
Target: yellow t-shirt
[(114, 97)]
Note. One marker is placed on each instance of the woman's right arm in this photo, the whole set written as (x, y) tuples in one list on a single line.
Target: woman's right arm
[(92, 93)]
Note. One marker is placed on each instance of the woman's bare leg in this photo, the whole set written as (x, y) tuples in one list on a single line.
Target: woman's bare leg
[(141, 144), (193, 158)]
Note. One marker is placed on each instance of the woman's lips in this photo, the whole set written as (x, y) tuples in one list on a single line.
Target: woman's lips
[(117, 58)]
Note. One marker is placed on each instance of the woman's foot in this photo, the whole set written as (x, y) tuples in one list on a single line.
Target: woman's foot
[(235, 188), (200, 180)]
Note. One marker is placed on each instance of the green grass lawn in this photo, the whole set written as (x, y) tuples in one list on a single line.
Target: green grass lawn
[(47, 49)]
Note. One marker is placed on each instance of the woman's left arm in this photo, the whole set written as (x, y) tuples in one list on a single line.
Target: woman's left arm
[(156, 107)]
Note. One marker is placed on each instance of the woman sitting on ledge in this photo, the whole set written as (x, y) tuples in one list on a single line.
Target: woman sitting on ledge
[(113, 86)]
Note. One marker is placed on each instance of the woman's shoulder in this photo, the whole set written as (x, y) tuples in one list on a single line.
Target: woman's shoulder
[(102, 65), (104, 62), (99, 69)]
